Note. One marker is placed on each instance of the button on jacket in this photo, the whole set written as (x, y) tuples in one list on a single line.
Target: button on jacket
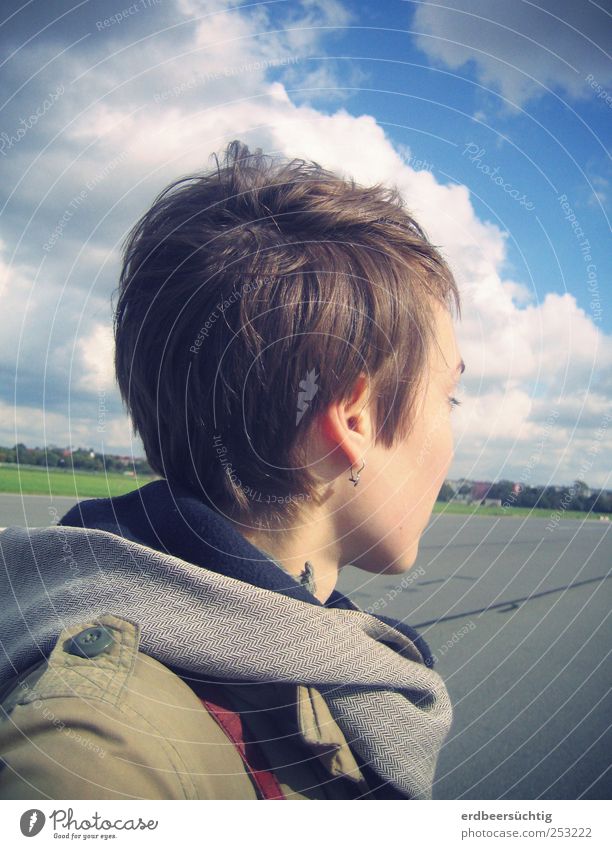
[(115, 723)]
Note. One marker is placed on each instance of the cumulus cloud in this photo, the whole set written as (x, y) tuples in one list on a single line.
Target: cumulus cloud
[(38, 426), (96, 351), (136, 123), (520, 49)]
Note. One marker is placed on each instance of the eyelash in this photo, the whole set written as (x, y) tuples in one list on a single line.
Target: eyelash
[(454, 402)]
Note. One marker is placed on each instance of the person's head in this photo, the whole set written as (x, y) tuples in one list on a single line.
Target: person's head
[(278, 324)]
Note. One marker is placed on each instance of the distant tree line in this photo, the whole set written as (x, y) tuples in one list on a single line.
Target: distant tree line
[(79, 458), (577, 496)]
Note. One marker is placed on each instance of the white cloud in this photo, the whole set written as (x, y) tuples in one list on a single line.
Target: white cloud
[(36, 426), (242, 31), (18, 302), (523, 356), (96, 352), (325, 82), (600, 193), (520, 49), (519, 293)]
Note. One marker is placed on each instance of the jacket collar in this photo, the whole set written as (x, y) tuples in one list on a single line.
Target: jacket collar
[(169, 518)]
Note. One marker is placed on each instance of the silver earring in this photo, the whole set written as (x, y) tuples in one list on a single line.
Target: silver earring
[(355, 480)]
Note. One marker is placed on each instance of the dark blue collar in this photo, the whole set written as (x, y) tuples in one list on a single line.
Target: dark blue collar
[(168, 518)]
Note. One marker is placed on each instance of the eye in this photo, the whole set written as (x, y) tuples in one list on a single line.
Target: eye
[(454, 402)]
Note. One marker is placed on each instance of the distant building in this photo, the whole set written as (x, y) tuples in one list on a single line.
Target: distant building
[(479, 490), (459, 484)]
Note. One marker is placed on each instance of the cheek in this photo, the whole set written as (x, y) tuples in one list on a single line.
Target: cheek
[(435, 448), (448, 448), (434, 462), (446, 454)]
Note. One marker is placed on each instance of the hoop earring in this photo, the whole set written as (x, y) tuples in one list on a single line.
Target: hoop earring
[(355, 480)]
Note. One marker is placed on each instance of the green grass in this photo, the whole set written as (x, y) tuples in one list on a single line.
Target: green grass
[(71, 483), (534, 512)]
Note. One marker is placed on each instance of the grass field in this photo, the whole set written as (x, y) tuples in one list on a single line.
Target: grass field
[(71, 483), (81, 484), (534, 512)]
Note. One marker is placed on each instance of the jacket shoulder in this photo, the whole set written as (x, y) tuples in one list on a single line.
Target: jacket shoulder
[(99, 719)]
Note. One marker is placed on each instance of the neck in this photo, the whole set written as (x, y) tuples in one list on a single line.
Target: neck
[(292, 550), (319, 579)]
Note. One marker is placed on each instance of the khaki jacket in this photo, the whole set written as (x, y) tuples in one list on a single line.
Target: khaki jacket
[(121, 725)]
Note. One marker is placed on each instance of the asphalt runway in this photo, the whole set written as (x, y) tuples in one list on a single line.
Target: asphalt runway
[(518, 617), (33, 510)]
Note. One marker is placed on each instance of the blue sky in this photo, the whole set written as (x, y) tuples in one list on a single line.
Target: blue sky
[(491, 117)]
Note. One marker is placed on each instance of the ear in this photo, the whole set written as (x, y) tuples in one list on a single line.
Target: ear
[(347, 424)]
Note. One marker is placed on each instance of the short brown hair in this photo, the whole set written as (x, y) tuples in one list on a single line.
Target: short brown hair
[(250, 298)]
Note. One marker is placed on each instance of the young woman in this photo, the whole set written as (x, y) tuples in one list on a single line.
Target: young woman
[(285, 348)]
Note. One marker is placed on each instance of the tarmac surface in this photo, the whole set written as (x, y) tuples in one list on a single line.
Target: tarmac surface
[(518, 617)]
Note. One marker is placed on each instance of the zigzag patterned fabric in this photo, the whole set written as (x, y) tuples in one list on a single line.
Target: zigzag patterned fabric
[(394, 710)]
